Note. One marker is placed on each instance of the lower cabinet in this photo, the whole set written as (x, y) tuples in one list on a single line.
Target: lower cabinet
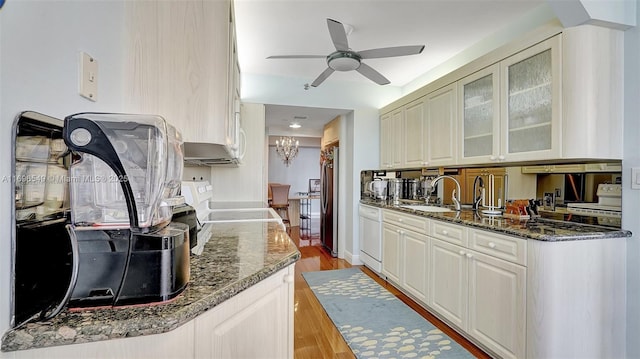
[(448, 282), (415, 259), (257, 323), (473, 279), (481, 294), (177, 343), (391, 246), (497, 304), (405, 252)]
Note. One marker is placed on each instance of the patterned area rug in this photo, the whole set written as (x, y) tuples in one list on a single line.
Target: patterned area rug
[(374, 323)]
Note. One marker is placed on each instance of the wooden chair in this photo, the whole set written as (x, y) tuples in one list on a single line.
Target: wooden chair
[(280, 202)]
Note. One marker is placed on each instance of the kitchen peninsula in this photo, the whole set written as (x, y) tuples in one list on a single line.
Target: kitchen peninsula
[(241, 286), (517, 288)]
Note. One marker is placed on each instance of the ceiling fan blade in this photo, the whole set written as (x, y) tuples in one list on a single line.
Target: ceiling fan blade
[(373, 75), (297, 57), (391, 51), (338, 35), (323, 76)]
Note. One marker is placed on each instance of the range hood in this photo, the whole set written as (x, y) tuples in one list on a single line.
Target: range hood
[(209, 154)]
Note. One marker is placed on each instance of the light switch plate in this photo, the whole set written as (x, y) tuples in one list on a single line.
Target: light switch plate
[(635, 178), (88, 77)]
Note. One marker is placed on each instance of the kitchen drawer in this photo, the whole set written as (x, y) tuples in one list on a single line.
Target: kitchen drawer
[(451, 233), (414, 223), (512, 249), (370, 212)]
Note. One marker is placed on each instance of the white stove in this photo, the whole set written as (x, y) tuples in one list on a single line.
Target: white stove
[(609, 206), (199, 195)]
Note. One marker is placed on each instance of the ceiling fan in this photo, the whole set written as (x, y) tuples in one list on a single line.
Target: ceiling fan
[(345, 59)]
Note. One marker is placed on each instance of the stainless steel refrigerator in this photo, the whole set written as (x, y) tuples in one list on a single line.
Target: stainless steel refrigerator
[(329, 200)]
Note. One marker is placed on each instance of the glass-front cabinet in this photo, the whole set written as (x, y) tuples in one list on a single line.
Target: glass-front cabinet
[(479, 102), (530, 103), (511, 111)]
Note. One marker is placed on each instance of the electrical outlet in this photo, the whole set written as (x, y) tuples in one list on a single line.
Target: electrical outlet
[(88, 77)]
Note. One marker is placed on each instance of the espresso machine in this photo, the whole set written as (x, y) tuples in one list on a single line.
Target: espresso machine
[(93, 213)]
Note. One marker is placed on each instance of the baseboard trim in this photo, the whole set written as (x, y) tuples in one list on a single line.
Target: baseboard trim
[(354, 260)]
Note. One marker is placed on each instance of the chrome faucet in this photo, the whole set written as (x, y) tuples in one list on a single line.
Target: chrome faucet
[(455, 196)]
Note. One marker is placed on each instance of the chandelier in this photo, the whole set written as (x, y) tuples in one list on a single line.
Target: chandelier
[(287, 148)]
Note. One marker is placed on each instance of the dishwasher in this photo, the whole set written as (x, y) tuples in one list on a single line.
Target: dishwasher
[(371, 237)]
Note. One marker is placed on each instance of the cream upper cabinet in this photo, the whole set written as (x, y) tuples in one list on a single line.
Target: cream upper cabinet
[(479, 106), (331, 132), (386, 147), (179, 60), (414, 140), (441, 136), (558, 97), (531, 103), (391, 130), (592, 92)]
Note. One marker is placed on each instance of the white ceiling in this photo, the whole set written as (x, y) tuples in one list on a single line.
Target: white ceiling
[(299, 27)]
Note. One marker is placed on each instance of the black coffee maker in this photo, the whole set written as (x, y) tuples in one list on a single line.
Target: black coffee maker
[(93, 213)]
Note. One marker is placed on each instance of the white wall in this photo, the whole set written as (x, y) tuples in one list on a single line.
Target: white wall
[(40, 43), (631, 197), (246, 180)]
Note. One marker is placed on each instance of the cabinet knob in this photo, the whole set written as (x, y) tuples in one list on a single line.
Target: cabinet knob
[(399, 219), (469, 255), (445, 232), (501, 157), (461, 252), (493, 158), (288, 278), (492, 245)]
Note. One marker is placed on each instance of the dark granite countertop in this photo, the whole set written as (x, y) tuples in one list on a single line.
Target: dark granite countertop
[(236, 256), (538, 228)]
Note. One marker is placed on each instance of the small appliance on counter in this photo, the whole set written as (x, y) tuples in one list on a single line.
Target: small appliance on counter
[(375, 190), (94, 199)]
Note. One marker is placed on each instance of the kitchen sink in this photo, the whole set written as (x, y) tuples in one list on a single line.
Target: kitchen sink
[(425, 208)]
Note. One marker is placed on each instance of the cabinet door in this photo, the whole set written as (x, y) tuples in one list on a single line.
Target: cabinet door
[(178, 63), (448, 289), (415, 259), (257, 323), (386, 141), (442, 126), (396, 131), (391, 247), (413, 144), (531, 106), (479, 105), (497, 305)]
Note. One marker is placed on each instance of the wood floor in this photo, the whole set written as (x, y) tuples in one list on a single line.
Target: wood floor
[(315, 335)]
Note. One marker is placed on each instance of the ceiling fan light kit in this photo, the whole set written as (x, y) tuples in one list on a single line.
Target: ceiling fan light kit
[(344, 59)]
